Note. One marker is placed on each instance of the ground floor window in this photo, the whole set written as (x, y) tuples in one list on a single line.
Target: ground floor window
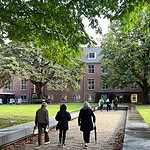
[(51, 97), (24, 97), (91, 98), (77, 98), (63, 98)]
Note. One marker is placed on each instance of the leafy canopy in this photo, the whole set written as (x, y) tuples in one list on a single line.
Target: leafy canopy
[(28, 63), (127, 56)]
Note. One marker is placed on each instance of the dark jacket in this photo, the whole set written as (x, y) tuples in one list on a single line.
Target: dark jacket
[(85, 119), (42, 116), (63, 117)]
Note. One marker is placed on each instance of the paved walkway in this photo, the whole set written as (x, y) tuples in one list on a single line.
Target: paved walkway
[(109, 126), (137, 132)]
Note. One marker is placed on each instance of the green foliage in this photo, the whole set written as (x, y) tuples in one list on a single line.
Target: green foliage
[(127, 57), (28, 63)]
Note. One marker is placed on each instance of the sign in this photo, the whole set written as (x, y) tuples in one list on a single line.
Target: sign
[(134, 98)]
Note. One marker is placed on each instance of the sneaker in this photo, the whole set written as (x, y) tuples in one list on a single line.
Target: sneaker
[(59, 144), (47, 142), (37, 147), (86, 146), (63, 145)]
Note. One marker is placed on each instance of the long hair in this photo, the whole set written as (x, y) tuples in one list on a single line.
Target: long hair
[(86, 105)]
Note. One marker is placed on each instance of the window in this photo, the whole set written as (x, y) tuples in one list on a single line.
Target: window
[(24, 97), (77, 98), (10, 85), (91, 56), (79, 82), (91, 98), (91, 69), (91, 84), (104, 86), (51, 97), (104, 70), (63, 98), (23, 84)]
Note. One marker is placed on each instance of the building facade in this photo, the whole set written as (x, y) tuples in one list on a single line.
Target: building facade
[(90, 86)]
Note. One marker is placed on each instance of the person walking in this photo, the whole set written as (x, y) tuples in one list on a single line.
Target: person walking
[(108, 104), (85, 122), (42, 121), (115, 102), (62, 117), (101, 103)]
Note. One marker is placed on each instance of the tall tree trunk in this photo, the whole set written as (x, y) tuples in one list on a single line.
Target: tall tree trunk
[(39, 91), (145, 95)]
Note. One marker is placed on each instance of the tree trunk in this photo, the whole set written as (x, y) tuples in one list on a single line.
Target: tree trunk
[(39, 90), (145, 95)]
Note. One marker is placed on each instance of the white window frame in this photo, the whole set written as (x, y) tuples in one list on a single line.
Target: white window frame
[(91, 70), (77, 98), (91, 98), (79, 82), (104, 86), (90, 84), (10, 85), (23, 97), (51, 97), (23, 85), (89, 55), (63, 98)]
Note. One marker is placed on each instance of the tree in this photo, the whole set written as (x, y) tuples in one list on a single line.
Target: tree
[(127, 57), (47, 22), (27, 62)]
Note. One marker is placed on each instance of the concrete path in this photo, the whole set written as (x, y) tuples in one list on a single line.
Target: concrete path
[(109, 125), (137, 132)]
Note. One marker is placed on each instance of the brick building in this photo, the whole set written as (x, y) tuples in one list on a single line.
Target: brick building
[(90, 90)]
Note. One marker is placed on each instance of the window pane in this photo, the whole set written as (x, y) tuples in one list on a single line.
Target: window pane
[(90, 84), (90, 68)]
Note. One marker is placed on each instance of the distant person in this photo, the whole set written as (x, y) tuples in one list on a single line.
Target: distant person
[(42, 121), (101, 103), (85, 122), (108, 104), (115, 102), (62, 117)]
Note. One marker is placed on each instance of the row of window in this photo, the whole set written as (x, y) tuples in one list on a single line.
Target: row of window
[(77, 98), (91, 69), (91, 85)]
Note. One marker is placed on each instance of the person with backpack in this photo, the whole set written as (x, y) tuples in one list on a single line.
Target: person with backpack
[(62, 117)]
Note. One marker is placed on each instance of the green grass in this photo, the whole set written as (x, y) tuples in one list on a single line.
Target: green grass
[(17, 114), (144, 110)]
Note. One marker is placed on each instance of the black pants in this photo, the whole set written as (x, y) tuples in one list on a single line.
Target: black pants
[(108, 106), (62, 133), (40, 132), (101, 107), (86, 136), (116, 106)]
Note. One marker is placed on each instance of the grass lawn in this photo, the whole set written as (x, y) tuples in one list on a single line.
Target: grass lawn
[(17, 114), (144, 110)]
